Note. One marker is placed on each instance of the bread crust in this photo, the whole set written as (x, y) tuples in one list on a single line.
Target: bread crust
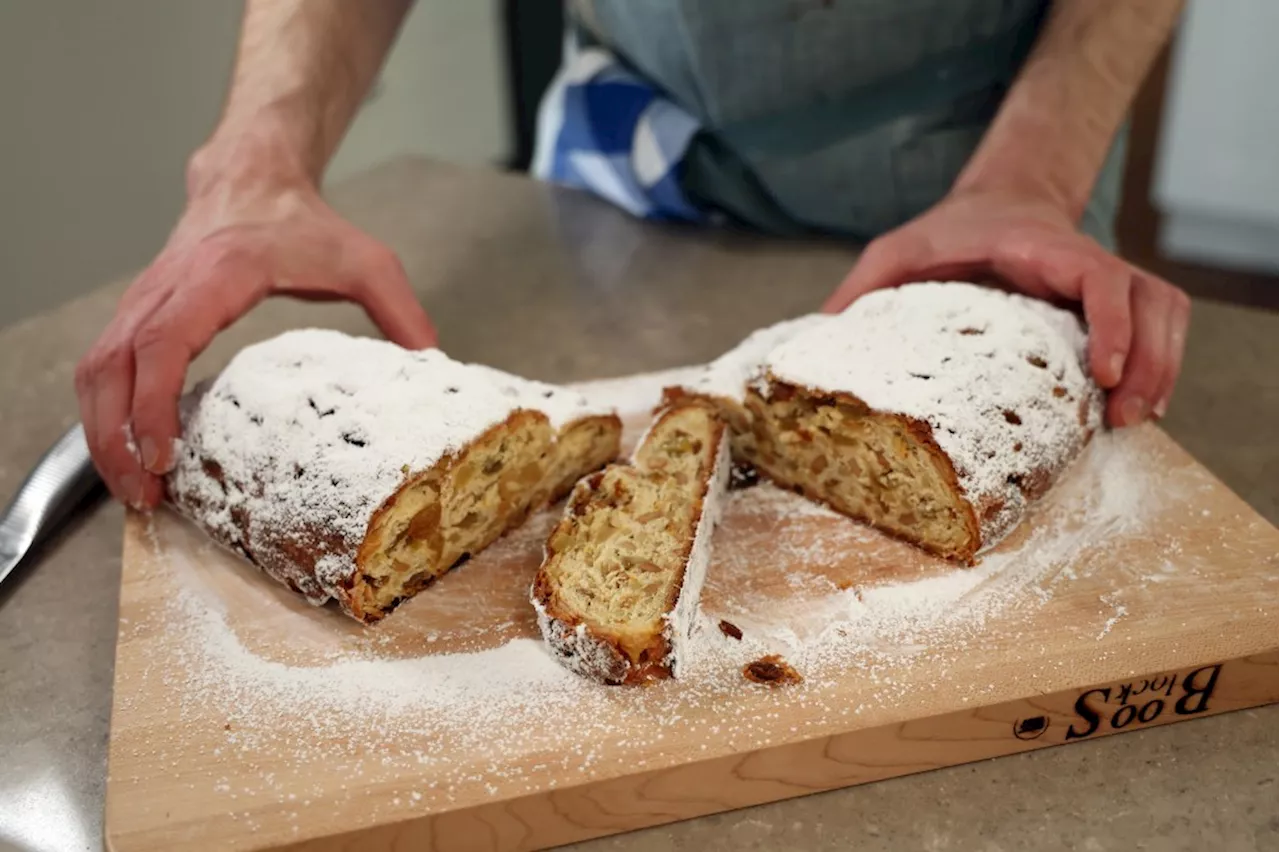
[(296, 455), (290, 554), (988, 517), (994, 390)]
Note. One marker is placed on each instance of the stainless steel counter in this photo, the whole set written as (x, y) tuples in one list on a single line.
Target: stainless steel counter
[(558, 286)]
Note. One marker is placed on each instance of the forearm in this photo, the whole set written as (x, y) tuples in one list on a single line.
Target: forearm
[(1052, 132), (302, 68)]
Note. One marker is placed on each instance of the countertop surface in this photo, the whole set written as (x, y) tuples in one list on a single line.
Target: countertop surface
[(558, 286)]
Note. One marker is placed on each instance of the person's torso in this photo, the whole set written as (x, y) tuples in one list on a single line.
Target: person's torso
[(853, 115)]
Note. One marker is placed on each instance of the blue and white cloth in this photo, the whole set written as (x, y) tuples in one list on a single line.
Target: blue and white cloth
[(845, 119), (603, 129)]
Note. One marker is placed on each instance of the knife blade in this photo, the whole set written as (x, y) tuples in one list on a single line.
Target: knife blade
[(47, 498)]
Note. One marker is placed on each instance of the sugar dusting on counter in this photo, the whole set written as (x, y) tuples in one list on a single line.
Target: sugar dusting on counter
[(372, 714), (1107, 494)]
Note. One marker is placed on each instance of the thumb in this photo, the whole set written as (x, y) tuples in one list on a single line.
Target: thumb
[(885, 262)]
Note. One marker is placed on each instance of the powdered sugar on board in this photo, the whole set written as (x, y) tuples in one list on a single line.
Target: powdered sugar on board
[(453, 700), (834, 607)]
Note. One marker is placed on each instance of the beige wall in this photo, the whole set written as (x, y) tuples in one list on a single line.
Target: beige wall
[(100, 103)]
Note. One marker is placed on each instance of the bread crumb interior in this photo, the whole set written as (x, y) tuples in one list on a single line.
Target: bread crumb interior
[(617, 564), (865, 464)]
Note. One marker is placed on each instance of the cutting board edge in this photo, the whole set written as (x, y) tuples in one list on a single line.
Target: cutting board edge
[(662, 796)]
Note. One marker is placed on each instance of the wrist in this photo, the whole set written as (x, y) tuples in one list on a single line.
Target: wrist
[(1031, 156), (1039, 149), (257, 157), (1021, 185)]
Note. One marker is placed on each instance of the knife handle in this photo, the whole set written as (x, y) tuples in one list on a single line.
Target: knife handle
[(63, 477)]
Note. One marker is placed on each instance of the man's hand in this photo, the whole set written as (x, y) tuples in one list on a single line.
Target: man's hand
[(1012, 211), (1137, 322), (228, 252), (254, 226)]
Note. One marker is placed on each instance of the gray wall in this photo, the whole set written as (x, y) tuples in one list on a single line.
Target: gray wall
[(1216, 176), (100, 104)]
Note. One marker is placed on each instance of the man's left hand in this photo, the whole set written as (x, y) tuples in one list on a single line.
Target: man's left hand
[(1137, 321)]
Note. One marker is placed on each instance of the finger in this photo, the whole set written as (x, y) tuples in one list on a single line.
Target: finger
[(1179, 319), (161, 368), (86, 379), (1131, 401), (387, 297), (110, 386), (1106, 294), (104, 377), (166, 343), (887, 262), (1077, 270)]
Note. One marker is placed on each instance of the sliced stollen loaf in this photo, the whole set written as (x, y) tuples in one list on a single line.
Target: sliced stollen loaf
[(352, 469), (933, 411), (617, 592), (723, 382)]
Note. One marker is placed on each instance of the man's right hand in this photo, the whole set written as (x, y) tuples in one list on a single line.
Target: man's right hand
[(234, 246)]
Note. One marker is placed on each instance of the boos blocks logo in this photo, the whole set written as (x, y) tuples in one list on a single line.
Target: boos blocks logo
[(1137, 703)]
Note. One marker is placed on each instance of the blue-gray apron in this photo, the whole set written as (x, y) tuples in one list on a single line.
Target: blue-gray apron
[(847, 117)]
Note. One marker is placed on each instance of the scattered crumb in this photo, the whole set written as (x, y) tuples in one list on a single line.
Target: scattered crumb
[(743, 475), (728, 628), (771, 671), (850, 585)]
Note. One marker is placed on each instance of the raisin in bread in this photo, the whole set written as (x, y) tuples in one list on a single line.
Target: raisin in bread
[(618, 589), (936, 412), (352, 469)]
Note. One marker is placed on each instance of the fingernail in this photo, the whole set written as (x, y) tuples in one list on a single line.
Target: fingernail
[(150, 453), (131, 489), (1133, 411), (1116, 365), (1161, 407)]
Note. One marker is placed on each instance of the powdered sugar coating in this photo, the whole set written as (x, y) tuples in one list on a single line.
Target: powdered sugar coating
[(301, 438), (726, 377), (1001, 380), (684, 615), (579, 650)]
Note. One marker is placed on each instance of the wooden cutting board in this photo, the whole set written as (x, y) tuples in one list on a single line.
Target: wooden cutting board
[(1140, 592)]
